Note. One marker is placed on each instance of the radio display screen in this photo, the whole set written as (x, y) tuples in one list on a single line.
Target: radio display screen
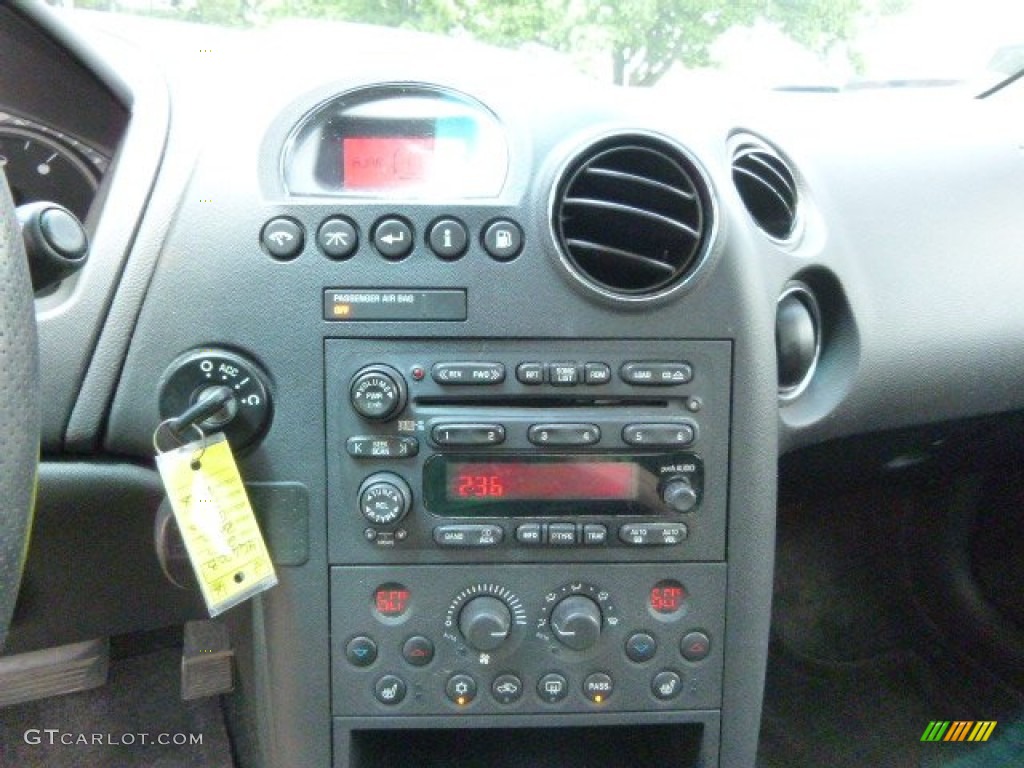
[(549, 484), (519, 481)]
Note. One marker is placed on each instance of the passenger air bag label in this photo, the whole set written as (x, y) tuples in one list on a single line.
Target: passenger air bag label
[(347, 304)]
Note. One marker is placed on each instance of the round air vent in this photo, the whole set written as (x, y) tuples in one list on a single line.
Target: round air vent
[(767, 187), (797, 339), (632, 216)]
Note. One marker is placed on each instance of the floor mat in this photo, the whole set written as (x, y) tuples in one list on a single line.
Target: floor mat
[(137, 719)]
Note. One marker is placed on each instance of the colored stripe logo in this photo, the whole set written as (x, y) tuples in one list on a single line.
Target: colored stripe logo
[(959, 730)]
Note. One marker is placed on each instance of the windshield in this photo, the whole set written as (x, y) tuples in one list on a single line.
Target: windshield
[(814, 45)]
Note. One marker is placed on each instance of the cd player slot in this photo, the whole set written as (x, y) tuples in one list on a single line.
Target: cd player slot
[(527, 401)]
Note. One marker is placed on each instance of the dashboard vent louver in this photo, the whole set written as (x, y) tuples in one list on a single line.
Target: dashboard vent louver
[(632, 216), (767, 187)]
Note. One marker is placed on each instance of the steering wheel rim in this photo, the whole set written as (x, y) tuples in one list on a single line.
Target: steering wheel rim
[(19, 407)]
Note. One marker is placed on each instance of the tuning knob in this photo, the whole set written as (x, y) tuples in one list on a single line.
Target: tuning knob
[(679, 495), (576, 622), (485, 622)]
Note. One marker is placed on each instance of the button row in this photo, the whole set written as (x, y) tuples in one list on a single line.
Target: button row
[(564, 374), (392, 236), (562, 534), (653, 534), (672, 434), (462, 689), (418, 651)]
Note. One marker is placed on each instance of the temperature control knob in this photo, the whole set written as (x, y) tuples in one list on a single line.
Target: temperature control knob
[(384, 498), (377, 392), (485, 622), (678, 494), (576, 622)]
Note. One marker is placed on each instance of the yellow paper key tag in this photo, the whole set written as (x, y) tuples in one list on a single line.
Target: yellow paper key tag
[(220, 531)]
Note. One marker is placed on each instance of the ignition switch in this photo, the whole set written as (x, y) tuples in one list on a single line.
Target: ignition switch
[(203, 373)]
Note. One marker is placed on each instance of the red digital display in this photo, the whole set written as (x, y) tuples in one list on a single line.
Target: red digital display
[(391, 599), (383, 162), (667, 596), (520, 481)]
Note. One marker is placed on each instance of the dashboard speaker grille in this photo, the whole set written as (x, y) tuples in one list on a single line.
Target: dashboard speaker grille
[(632, 216), (767, 187)]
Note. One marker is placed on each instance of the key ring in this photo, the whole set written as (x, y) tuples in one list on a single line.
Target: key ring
[(166, 427)]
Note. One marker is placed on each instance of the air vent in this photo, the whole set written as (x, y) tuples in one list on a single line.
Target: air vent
[(632, 216), (767, 188)]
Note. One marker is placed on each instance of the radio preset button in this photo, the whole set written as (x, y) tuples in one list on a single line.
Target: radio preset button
[(530, 373), (468, 373), (468, 434), (564, 434), (597, 373), (377, 447), (656, 374), (530, 533), (564, 374), (680, 434), (561, 534), (652, 534), (473, 536), (595, 535)]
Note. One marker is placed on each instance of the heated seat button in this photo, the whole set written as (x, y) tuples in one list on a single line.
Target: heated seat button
[(468, 434), (563, 434), (677, 435), (390, 690), (666, 685), (361, 651), (418, 651), (468, 373), (656, 374)]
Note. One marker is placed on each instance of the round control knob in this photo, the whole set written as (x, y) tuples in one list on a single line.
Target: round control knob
[(485, 622), (384, 498), (679, 495), (377, 392), (576, 622)]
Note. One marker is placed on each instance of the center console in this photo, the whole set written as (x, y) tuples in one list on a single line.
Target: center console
[(526, 528)]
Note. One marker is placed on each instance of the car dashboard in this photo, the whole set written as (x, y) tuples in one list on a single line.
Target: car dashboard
[(513, 358)]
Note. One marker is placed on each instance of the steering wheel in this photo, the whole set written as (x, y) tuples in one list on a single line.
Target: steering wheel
[(19, 406)]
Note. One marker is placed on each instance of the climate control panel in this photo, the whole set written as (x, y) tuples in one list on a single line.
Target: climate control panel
[(437, 640)]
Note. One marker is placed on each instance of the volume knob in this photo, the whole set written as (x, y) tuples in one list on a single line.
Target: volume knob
[(377, 392), (485, 622)]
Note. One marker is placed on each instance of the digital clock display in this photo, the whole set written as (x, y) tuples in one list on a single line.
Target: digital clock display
[(391, 600), (667, 596), (521, 481)]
